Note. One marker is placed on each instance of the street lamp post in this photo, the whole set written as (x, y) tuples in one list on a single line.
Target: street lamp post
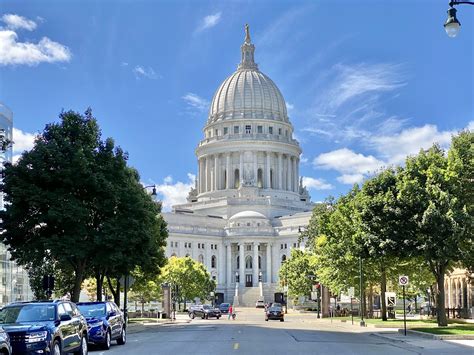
[(452, 24), (361, 293)]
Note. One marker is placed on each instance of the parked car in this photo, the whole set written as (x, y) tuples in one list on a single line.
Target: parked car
[(205, 312), (105, 322), (51, 327), (274, 312), (224, 308), (192, 308), (5, 347), (276, 304), (260, 304)]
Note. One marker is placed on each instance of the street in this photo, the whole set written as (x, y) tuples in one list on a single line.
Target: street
[(250, 334)]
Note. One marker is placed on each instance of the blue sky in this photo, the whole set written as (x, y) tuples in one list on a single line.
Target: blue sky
[(366, 82)]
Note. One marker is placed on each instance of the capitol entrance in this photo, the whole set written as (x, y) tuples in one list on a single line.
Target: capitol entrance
[(248, 280)]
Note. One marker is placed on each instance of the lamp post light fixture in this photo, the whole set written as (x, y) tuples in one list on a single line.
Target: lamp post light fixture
[(452, 24), (153, 192)]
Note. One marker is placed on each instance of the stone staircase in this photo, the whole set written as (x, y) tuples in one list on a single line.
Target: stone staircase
[(248, 296)]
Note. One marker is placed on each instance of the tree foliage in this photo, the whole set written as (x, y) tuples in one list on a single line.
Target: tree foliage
[(191, 277), (73, 201), (298, 273)]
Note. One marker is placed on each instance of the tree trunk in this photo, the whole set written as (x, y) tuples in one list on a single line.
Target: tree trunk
[(78, 278), (442, 319), (117, 294), (383, 290), (370, 300), (99, 278)]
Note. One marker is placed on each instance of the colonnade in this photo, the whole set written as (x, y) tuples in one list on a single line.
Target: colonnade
[(458, 293), (274, 171)]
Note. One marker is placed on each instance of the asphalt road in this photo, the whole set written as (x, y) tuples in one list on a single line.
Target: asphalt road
[(250, 334)]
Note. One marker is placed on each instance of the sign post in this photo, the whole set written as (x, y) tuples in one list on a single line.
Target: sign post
[(403, 281), (351, 294)]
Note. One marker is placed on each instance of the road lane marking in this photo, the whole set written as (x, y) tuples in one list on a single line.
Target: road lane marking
[(236, 346)]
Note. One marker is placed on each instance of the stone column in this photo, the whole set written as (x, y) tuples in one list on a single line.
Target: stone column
[(242, 263), (255, 263), (229, 263), (216, 173), (208, 176), (269, 263), (228, 173), (280, 171), (275, 261), (288, 173), (268, 183), (295, 176), (255, 168), (207, 257), (241, 167), (298, 175), (450, 295), (220, 265)]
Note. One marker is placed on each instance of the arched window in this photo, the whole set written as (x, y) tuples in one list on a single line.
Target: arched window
[(173, 255), (283, 258), (187, 255), (238, 262), (248, 262), (259, 262), (225, 179), (271, 179), (213, 261), (201, 259), (236, 179), (260, 178)]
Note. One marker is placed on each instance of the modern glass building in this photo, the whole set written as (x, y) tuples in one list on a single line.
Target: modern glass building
[(14, 284)]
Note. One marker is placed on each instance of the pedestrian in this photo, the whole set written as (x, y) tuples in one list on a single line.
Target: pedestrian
[(231, 309)]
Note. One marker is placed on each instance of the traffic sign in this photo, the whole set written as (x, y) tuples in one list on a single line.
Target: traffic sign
[(350, 291), (403, 280), (391, 301)]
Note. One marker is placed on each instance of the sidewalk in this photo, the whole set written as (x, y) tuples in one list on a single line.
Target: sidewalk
[(420, 342), (137, 327)]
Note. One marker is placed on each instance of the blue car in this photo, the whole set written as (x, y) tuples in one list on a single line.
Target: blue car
[(105, 322), (5, 348), (51, 327)]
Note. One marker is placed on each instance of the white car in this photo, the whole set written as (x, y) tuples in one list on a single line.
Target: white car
[(260, 304)]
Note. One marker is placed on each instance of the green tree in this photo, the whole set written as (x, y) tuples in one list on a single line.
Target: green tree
[(64, 204), (191, 277), (439, 219), (299, 273)]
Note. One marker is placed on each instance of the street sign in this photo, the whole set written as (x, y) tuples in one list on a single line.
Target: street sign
[(391, 301), (403, 280)]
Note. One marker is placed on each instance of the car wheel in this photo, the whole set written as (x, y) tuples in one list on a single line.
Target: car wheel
[(266, 319), (83, 347), (108, 340), (56, 348), (191, 315), (218, 317), (282, 320), (123, 337)]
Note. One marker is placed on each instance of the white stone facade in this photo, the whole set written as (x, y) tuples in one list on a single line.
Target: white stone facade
[(248, 206)]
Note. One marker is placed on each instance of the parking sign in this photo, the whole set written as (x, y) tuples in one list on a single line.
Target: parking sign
[(403, 280)]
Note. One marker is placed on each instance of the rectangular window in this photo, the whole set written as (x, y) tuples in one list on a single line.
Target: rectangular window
[(248, 129), (259, 129), (226, 130), (270, 130), (279, 131), (216, 132), (236, 129), (286, 133)]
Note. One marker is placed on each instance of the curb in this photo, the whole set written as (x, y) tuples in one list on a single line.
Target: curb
[(438, 336)]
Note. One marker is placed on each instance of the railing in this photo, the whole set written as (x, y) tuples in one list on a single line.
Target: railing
[(250, 136)]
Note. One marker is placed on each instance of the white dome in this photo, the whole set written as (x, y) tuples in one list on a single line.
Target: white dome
[(248, 93), (247, 214)]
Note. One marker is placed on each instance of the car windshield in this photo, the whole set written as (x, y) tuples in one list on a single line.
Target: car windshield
[(275, 309), (225, 305), (28, 313), (206, 306), (92, 310)]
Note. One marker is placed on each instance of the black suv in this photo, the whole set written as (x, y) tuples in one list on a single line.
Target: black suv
[(50, 327), (205, 312)]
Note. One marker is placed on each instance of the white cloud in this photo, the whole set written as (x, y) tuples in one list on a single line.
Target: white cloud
[(395, 148), (289, 106), (316, 184), (209, 21), (174, 193), (350, 179), (470, 126), (196, 101), (13, 52), (22, 140), (141, 71), (16, 22), (353, 166)]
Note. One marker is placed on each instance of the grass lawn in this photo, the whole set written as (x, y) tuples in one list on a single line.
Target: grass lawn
[(398, 323), (450, 330)]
